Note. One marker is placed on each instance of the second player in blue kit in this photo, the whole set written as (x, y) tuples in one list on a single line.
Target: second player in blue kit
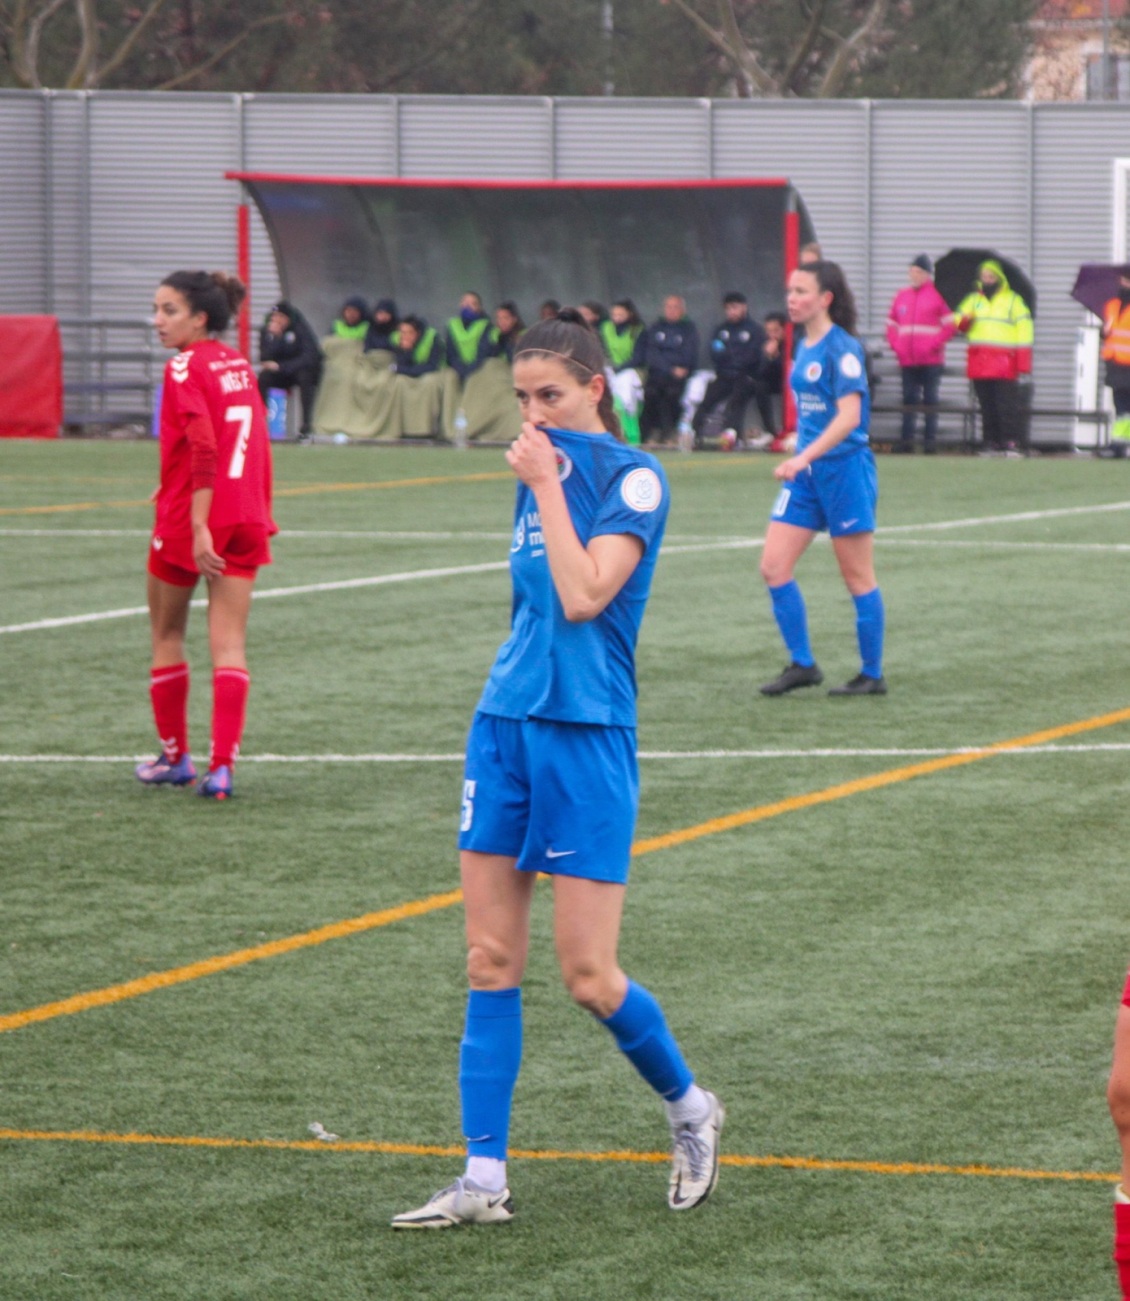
[(550, 781), (828, 484)]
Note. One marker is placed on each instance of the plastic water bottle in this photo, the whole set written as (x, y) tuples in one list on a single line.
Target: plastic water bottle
[(686, 436), (460, 426)]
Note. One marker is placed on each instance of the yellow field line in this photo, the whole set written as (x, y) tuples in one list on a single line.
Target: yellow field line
[(304, 490), (874, 782), (369, 921), (226, 961), (550, 1154)]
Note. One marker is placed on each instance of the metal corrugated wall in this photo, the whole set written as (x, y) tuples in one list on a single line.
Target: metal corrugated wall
[(495, 139), (1072, 218), (24, 211), (158, 198), (108, 191), (822, 149), (645, 139)]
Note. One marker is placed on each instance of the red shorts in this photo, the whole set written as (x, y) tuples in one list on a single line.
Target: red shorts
[(244, 547), (1126, 991)]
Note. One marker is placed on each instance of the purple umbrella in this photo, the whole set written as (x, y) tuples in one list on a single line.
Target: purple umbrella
[(1097, 283)]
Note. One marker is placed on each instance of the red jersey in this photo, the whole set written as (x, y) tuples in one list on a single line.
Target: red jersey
[(213, 435)]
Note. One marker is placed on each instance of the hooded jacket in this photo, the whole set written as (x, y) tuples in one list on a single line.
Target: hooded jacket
[(918, 325), (343, 330), (999, 330), (296, 348)]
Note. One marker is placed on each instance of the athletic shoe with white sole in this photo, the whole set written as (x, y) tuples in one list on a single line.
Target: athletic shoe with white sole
[(160, 772), (462, 1203), (694, 1162), (216, 784)]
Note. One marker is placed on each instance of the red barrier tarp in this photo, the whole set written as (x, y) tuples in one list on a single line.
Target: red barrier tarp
[(31, 377)]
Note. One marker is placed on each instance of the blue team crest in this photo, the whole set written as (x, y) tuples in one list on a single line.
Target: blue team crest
[(813, 371), (564, 464)]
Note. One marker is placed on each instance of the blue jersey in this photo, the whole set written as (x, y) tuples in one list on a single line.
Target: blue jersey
[(567, 672), (822, 373)]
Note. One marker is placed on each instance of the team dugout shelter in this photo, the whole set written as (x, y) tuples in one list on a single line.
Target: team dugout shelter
[(426, 242)]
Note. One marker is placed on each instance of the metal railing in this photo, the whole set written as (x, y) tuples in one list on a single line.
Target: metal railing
[(111, 371)]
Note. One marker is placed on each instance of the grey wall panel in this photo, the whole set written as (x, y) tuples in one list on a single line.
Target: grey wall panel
[(938, 184), (644, 139), (1073, 213), (158, 198), (320, 135), (23, 204), (822, 149), (68, 283), (476, 138)]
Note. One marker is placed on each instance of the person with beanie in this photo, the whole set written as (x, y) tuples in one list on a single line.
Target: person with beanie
[(918, 325), (290, 357), (353, 320), (380, 336)]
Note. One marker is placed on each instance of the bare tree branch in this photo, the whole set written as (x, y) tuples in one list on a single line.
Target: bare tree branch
[(731, 44), (25, 47), (223, 52), (838, 69), (807, 41), (84, 73), (435, 47), (126, 48)]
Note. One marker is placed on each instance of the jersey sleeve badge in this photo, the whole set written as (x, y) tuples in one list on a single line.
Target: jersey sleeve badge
[(642, 490), (850, 366)]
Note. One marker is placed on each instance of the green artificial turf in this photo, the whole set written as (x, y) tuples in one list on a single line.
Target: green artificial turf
[(922, 974)]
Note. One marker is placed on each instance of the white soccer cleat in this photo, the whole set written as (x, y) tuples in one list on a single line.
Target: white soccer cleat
[(462, 1203), (694, 1162)]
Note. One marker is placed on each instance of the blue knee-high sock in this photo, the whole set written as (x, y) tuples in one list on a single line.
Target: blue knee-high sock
[(792, 620), (641, 1032), (869, 623), (489, 1057)]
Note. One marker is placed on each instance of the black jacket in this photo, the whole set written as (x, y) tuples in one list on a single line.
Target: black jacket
[(296, 348), (663, 346), (735, 348)]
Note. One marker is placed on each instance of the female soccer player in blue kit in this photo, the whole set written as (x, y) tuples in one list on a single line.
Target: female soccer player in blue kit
[(830, 483), (550, 783)]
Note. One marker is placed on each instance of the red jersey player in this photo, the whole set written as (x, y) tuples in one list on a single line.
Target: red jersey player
[(213, 519), (1118, 1096)]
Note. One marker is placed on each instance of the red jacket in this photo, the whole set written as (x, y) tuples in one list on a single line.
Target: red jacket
[(918, 325)]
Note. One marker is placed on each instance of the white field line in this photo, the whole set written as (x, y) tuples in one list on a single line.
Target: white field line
[(381, 580), (457, 756)]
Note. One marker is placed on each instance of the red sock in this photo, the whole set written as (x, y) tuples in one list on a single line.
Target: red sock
[(229, 707), (168, 690), (1122, 1245)]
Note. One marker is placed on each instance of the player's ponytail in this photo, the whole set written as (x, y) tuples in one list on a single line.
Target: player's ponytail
[(217, 294), (571, 340), (831, 279)]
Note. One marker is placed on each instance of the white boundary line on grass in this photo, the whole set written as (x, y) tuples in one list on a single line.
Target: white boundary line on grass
[(457, 757), (380, 580)]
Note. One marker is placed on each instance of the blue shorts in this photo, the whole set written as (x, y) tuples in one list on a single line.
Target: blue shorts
[(559, 797), (839, 495)]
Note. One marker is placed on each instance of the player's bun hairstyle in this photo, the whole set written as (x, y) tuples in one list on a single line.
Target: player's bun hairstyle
[(215, 293), (831, 279), (570, 339)]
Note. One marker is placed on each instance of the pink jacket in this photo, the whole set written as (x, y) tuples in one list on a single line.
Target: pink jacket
[(918, 326)]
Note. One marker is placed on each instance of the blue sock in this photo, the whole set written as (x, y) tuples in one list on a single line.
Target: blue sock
[(792, 619), (869, 623), (489, 1057), (641, 1032)]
